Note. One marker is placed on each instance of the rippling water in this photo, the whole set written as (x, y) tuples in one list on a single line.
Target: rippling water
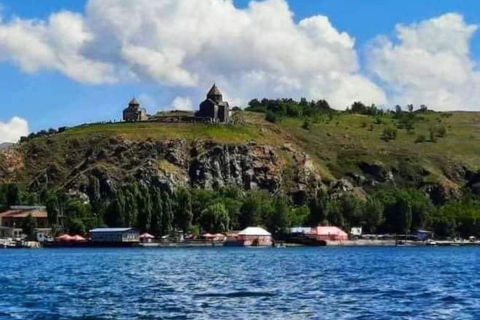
[(239, 283)]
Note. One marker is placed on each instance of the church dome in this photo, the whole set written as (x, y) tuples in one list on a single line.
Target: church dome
[(215, 94), (134, 102)]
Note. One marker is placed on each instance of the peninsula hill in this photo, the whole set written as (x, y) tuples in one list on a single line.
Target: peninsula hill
[(291, 155)]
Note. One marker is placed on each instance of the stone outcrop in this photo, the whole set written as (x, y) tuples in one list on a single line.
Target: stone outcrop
[(168, 164), (103, 163)]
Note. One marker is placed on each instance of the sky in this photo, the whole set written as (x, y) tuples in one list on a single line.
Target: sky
[(64, 63)]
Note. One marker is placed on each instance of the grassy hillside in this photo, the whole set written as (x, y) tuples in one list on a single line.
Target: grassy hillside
[(351, 138), (327, 139), (338, 145)]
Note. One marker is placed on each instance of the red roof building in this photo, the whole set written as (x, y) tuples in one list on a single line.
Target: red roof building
[(15, 215), (328, 234)]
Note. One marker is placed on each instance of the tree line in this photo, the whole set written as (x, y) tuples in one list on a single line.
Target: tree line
[(162, 212)]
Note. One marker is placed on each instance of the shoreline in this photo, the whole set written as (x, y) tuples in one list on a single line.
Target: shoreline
[(178, 245)]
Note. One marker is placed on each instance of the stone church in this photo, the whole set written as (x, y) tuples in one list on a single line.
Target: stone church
[(214, 107), (134, 113)]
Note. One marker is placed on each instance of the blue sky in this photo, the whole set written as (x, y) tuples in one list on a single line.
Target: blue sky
[(49, 97)]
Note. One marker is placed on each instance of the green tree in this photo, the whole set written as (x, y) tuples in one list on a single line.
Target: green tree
[(233, 206), (114, 216), (373, 214), (53, 208), (167, 216), (201, 199), (306, 124), (28, 226), (77, 208), (145, 209), (444, 227), (250, 211), (13, 195), (131, 205), (215, 218), (94, 193), (352, 210), (401, 216), (76, 226), (299, 216), (157, 216), (272, 117), (318, 210), (184, 213), (421, 207), (334, 212), (278, 219)]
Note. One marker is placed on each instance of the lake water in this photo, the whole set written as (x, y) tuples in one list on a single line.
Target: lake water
[(241, 283)]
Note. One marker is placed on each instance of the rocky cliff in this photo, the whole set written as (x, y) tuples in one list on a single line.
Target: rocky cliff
[(75, 165)]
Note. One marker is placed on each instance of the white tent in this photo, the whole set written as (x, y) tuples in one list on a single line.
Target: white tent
[(254, 231)]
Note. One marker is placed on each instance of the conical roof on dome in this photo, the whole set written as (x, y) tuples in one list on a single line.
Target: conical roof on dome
[(214, 91), (134, 101)]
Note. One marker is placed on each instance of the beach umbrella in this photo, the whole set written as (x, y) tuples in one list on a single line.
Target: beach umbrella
[(220, 236), (146, 236), (78, 238), (65, 238)]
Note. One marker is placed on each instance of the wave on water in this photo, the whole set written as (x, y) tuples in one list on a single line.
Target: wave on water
[(236, 294), (223, 283)]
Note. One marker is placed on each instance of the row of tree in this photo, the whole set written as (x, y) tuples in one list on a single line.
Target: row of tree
[(276, 109), (279, 108), (194, 211)]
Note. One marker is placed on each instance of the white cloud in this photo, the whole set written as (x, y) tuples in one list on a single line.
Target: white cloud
[(182, 103), (254, 52), (429, 63), (55, 44), (12, 130)]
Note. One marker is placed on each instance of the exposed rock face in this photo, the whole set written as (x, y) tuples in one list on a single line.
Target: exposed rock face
[(104, 163), (249, 166), (11, 161), (377, 171)]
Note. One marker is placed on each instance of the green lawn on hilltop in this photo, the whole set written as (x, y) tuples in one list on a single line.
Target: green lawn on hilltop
[(344, 134), (189, 131), (336, 145)]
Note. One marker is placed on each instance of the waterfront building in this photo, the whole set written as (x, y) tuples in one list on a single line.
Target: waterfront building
[(12, 219), (424, 235), (300, 230), (6, 232), (328, 234), (115, 235), (251, 236), (356, 232)]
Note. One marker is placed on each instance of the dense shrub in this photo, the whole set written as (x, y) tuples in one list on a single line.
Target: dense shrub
[(389, 134), (272, 117), (306, 124), (420, 139)]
